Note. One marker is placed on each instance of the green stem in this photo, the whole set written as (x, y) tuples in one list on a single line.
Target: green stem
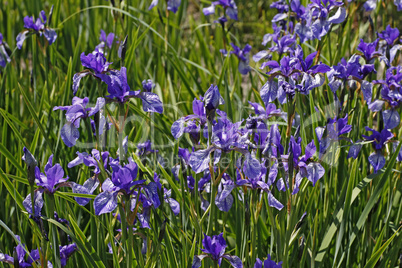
[(33, 200), (121, 130), (212, 210), (43, 251), (129, 242), (34, 56), (253, 228), (213, 188), (55, 243), (124, 230)]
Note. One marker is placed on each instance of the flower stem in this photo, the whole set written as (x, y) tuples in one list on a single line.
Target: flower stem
[(33, 200), (212, 210), (121, 130), (124, 240), (129, 242), (253, 234), (55, 243)]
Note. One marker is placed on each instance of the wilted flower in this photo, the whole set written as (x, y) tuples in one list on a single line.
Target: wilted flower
[(214, 248)]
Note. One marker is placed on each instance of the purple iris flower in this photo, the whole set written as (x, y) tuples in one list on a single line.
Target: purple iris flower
[(66, 252), (117, 85), (369, 50), (225, 138), (229, 5), (263, 181), (379, 138), (151, 198), (4, 58), (74, 114), (269, 111), (52, 179), (21, 253), (37, 26), (281, 6), (90, 160), (321, 12), (105, 40), (174, 205), (95, 61), (398, 4), (242, 55), (212, 99), (225, 134), (214, 248), (283, 45), (348, 70), (389, 35), (124, 181), (148, 85), (294, 74), (193, 123), (119, 90), (337, 127), (304, 18), (172, 5), (224, 199), (376, 159), (268, 263), (331, 132), (303, 165), (270, 36), (391, 92), (145, 148), (298, 9), (38, 204), (370, 5), (306, 65)]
